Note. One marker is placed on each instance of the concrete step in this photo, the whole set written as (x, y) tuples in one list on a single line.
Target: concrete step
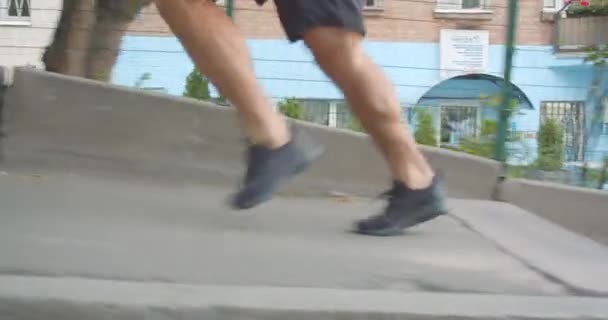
[(39, 298)]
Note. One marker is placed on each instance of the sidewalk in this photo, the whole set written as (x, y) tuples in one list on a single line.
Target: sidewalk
[(67, 237)]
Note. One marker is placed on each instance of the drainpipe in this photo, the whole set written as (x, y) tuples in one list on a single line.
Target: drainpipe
[(507, 94), (507, 90), (230, 8)]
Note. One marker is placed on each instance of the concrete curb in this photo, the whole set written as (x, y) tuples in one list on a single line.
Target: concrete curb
[(77, 124), (584, 211), (26, 298), (564, 256)]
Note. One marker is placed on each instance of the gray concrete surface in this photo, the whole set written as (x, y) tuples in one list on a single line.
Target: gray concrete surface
[(76, 124), (90, 227), (577, 261), (138, 249), (584, 211), (53, 298)]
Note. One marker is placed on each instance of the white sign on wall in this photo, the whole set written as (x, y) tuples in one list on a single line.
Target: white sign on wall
[(463, 52)]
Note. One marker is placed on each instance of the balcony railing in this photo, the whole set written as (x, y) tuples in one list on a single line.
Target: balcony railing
[(576, 34)]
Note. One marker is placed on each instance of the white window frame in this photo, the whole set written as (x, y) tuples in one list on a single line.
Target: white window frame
[(5, 19), (456, 6), (550, 4), (377, 5)]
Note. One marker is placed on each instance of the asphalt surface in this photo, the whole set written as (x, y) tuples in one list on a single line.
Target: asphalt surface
[(105, 229)]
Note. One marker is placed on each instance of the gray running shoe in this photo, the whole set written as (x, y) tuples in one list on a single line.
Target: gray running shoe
[(269, 169), (406, 208)]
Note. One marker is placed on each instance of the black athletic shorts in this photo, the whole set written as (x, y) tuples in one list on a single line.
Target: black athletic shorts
[(298, 16)]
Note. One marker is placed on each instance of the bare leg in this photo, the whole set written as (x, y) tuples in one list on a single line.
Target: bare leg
[(373, 99), (220, 52)]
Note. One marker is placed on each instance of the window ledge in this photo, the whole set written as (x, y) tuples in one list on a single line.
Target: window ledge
[(16, 23), (566, 52), (572, 49), (464, 14), (372, 11), (548, 14)]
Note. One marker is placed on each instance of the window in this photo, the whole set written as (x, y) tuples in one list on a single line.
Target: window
[(458, 122), (571, 115), (370, 3), (15, 10), (554, 5), (461, 4), (550, 7), (463, 9), (373, 5), (471, 4)]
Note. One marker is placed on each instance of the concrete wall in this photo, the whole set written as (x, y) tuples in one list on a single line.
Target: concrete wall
[(584, 211), (81, 125)]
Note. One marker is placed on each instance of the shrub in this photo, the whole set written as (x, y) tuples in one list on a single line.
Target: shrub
[(197, 86), (426, 133), (291, 108), (550, 146), (485, 145), (355, 125)]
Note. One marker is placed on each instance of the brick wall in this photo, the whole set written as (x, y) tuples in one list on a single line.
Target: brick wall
[(401, 20), (22, 43)]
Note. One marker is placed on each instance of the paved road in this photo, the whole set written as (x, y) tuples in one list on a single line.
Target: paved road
[(107, 229)]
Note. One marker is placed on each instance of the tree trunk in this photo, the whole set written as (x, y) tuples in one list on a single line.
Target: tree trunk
[(112, 20), (88, 37), (67, 52)]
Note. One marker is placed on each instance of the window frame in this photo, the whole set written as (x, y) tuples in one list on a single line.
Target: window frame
[(5, 19), (377, 6), (556, 5), (557, 110), (457, 6), (453, 9)]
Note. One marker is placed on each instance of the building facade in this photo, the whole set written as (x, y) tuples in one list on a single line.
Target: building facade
[(444, 55), (26, 28)]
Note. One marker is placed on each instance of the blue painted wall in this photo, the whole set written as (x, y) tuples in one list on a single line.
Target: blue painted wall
[(287, 70)]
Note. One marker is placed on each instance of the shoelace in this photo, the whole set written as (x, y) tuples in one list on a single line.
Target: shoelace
[(386, 195)]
